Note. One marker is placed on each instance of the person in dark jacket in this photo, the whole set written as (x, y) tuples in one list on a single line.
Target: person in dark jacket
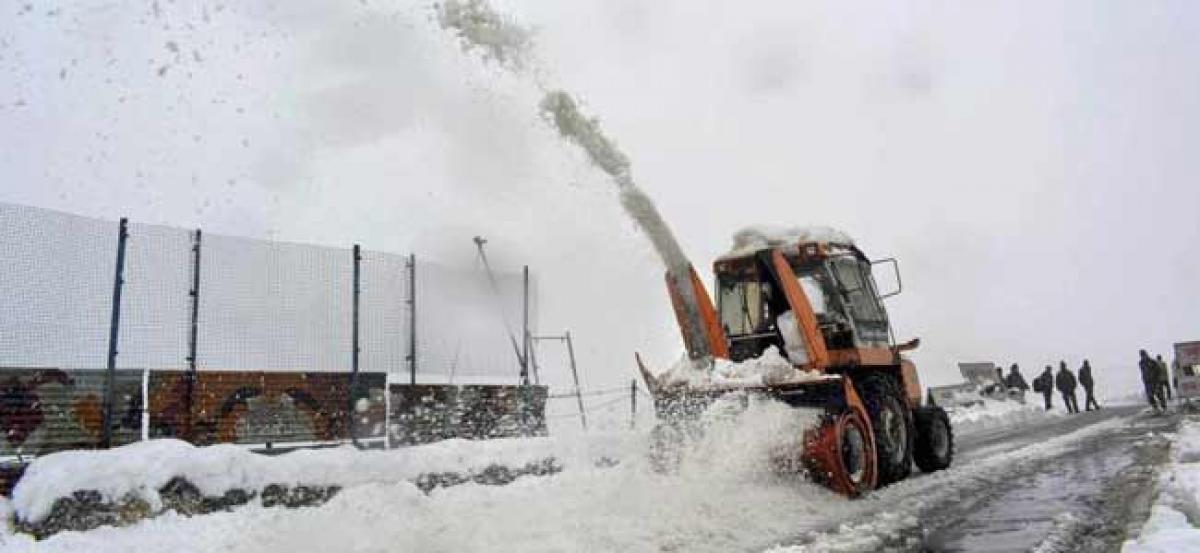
[(1150, 377), (1085, 379), (1164, 375), (1065, 382), (1015, 379), (1044, 384)]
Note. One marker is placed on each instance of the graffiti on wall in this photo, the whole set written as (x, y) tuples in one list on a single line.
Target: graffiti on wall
[(43, 410), (264, 407), (429, 413)]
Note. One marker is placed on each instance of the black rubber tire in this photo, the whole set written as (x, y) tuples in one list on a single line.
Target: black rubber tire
[(881, 394), (933, 426)]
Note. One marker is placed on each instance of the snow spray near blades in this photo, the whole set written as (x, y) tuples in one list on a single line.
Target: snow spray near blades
[(481, 28)]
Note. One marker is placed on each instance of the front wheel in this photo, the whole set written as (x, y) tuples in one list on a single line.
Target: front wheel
[(934, 447), (893, 424)]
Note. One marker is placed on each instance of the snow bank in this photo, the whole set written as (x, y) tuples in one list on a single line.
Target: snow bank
[(724, 496), (991, 414), (1174, 523), (754, 238), (142, 468)]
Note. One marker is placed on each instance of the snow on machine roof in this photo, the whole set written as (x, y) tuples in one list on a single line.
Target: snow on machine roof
[(760, 237)]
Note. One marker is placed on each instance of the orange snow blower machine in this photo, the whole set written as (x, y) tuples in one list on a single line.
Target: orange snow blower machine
[(812, 295)]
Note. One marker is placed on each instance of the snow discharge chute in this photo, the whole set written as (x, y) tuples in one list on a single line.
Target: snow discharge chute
[(798, 320)]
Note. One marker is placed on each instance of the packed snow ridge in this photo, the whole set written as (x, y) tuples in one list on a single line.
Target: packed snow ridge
[(142, 468), (759, 237), (1174, 523)]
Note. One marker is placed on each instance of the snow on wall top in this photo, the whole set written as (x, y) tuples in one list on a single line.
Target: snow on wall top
[(758, 237)]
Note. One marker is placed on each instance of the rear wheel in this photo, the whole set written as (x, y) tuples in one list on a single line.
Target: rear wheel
[(892, 421), (935, 439)]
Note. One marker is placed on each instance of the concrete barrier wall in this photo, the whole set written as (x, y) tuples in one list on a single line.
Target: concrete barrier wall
[(429, 413), (43, 410)]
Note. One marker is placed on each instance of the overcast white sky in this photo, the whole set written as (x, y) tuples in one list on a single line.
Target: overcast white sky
[(1031, 164)]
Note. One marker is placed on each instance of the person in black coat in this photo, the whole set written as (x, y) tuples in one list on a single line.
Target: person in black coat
[(1044, 384), (1085, 379), (1016, 380), (1065, 382), (1164, 375), (1150, 379)]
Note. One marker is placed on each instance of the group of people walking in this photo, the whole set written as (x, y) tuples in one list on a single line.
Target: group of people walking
[(1064, 381), (1157, 380), (1155, 377)]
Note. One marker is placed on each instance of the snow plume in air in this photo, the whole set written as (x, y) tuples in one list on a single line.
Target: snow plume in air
[(562, 110), (479, 27)]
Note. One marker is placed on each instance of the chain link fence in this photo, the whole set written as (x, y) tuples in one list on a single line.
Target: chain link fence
[(272, 317)]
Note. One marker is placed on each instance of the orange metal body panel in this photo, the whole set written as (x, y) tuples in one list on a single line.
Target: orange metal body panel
[(714, 335), (910, 382), (862, 357), (818, 355), (718, 344)]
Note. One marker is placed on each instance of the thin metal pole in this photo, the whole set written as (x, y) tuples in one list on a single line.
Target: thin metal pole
[(633, 404), (575, 375), (193, 333), (525, 326), (114, 325), (533, 362), (351, 426), (487, 267), (412, 319)]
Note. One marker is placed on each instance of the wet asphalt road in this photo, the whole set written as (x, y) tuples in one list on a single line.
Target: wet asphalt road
[(1087, 498)]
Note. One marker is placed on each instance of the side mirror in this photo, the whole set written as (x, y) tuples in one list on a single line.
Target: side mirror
[(895, 270)]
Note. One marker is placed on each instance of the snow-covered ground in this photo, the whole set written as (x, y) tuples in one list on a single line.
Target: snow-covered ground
[(724, 496), (1174, 523)]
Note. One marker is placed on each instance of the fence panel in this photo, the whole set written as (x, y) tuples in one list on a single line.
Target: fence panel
[(384, 314), (463, 324), (155, 305), (274, 306), (57, 280)]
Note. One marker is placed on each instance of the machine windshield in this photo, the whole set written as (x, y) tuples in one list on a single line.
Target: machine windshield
[(743, 305)]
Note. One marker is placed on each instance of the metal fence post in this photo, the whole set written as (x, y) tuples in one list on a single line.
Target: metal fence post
[(525, 326), (633, 404), (575, 375), (193, 333), (351, 424), (412, 319), (113, 333)]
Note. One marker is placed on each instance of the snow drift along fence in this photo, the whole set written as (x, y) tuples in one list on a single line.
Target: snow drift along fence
[(429, 413), (43, 410), (254, 407)]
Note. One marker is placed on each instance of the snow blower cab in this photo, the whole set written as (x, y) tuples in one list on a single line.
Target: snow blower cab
[(810, 296)]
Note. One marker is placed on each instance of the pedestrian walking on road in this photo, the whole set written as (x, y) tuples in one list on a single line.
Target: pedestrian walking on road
[(1150, 380), (1044, 384), (1164, 376), (1015, 380), (1085, 379), (1065, 382)]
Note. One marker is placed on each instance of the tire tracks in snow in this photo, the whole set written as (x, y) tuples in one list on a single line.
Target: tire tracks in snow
[(903, 516)]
